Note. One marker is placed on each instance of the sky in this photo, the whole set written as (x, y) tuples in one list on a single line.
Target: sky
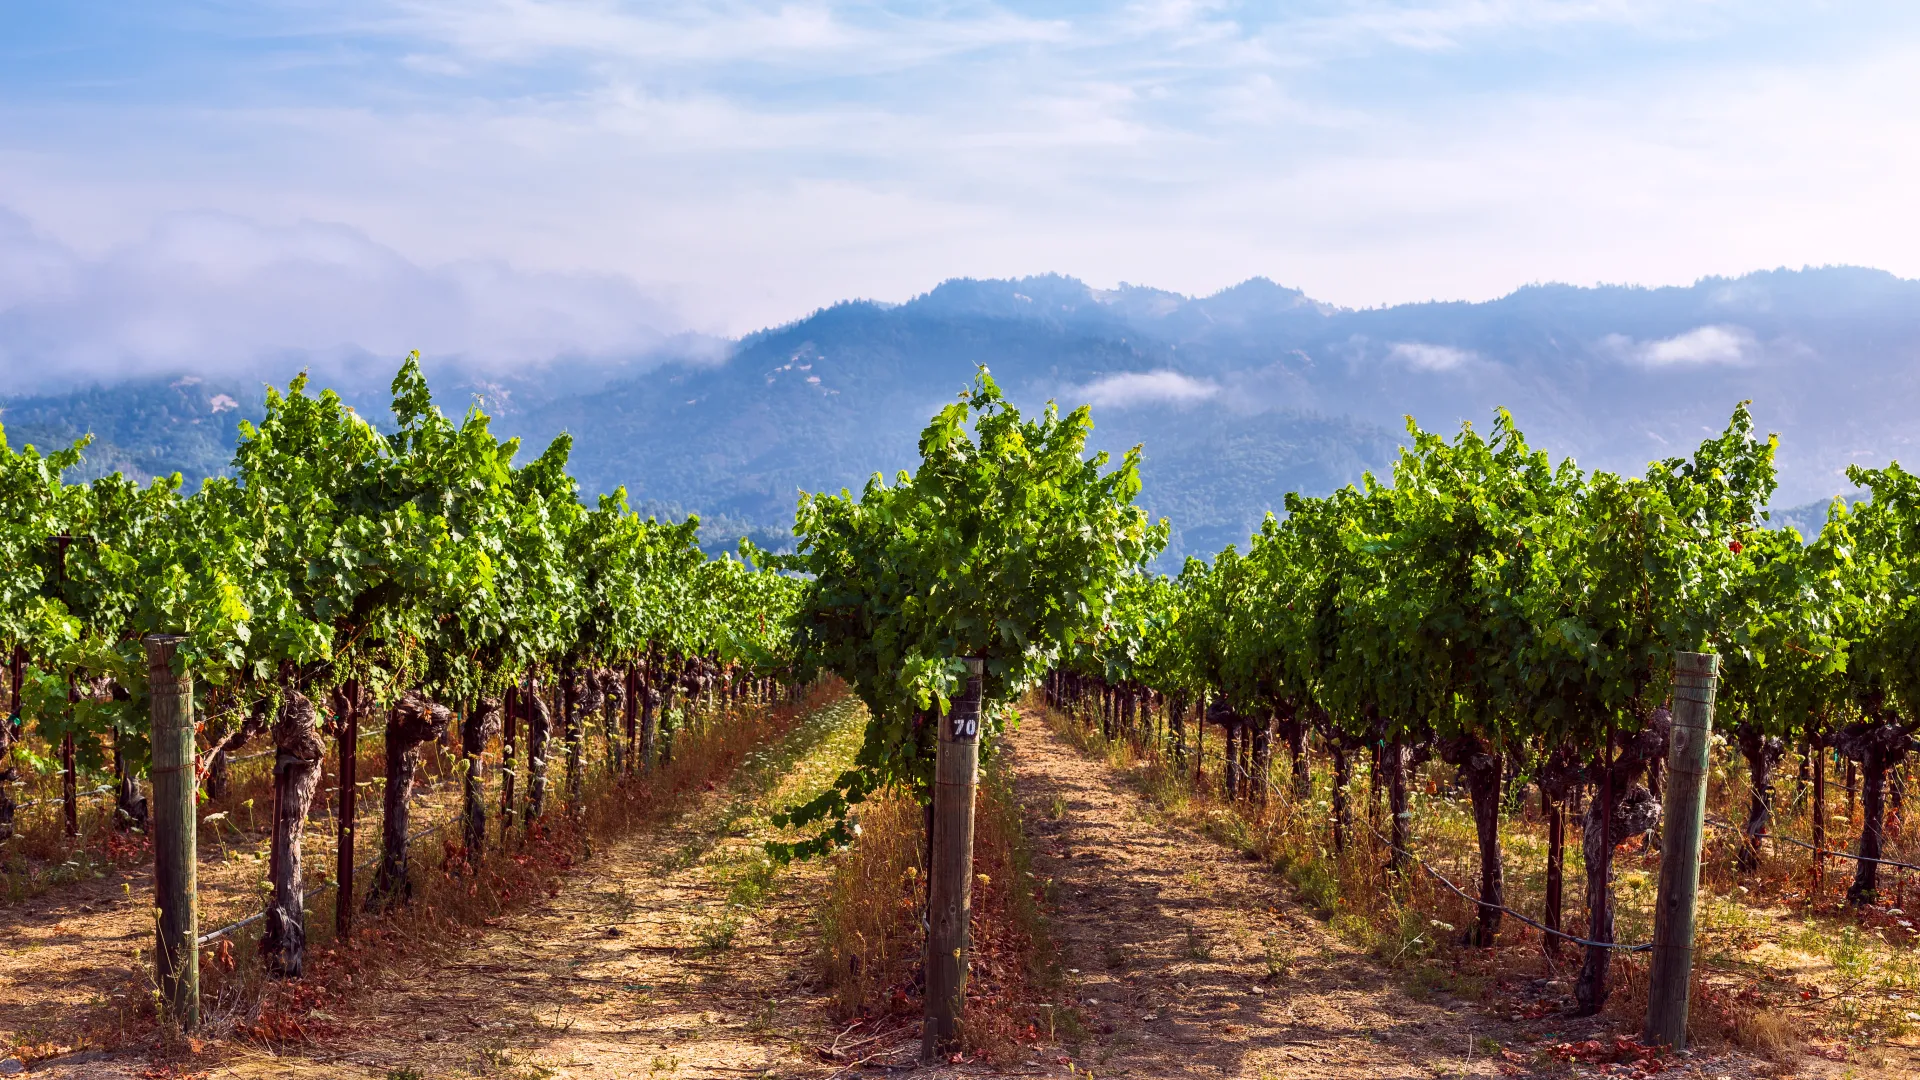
[(512, 178)]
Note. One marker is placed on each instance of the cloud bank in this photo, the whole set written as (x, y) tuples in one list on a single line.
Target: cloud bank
[(1422, 356), (1161, 387), (1701, 346), (768, 157), (215, 293)]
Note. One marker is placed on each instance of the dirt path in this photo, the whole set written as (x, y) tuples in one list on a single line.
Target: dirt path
[(67, 955), (677, 952), (1189, 960)]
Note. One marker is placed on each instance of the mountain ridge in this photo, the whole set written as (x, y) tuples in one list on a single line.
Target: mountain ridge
[(1237, 396)]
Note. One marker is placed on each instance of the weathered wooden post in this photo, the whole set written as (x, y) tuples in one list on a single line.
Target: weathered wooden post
[(176, 957), (508, 762), (950, 884), (1695, 677), (347, 725)]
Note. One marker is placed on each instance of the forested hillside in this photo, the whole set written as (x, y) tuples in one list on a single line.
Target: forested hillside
[(1236, 397)]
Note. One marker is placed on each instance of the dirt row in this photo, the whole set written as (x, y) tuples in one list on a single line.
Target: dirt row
[(680, 953)]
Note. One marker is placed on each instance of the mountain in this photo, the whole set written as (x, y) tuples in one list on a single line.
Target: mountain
[(1235, 398)]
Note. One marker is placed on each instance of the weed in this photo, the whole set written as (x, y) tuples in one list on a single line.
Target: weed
[(1279, 960), (1198, 947), (718, 933)]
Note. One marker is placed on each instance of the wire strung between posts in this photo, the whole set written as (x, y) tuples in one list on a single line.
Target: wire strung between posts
[(1816, 850), (1457, 891), (419, 793), (1543, 928), (364, 736), (101, 790), (105, 789), (212, 936)]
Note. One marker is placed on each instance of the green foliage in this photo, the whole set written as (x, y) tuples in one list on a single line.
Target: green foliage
[(420, 558), (1008, 544)]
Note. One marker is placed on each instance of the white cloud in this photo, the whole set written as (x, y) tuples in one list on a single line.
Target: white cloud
[(1719, 344), (1426, 357), (214, 292), (767, 157), (1145, 388)]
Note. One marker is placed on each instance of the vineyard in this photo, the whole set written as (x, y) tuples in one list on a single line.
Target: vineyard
[(1608, 756)]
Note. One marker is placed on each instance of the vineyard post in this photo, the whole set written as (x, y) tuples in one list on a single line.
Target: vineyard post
[(1818, 748), (950, 899), (176, 954), (1200, 740), (69, 780), (1696, 676), (509, 762), (347, 722)]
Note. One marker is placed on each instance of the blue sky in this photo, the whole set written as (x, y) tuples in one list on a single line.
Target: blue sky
[(722, 166)]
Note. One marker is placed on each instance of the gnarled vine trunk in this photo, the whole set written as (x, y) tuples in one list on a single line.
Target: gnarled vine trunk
[(8, 774), (1877, 746), (1482, 770), (665, 725), (481, 723), (296, 773), (414, 720), (575, 727), (649, 725), (1297, 748), (1556, 816), (1762, 753), (1401, 822), (539, 734), (1262, 771), (1623, 810)]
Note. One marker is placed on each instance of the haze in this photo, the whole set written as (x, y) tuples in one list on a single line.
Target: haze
[(518, 181)]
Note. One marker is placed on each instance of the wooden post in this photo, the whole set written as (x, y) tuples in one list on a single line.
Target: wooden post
[(347, 723), (176, 957), (509, 761), (1819, 746), (950, 884), (1695, 678), (69, 785)]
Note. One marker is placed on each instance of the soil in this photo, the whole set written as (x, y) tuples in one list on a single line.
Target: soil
[(1183, 958), (67, 956)]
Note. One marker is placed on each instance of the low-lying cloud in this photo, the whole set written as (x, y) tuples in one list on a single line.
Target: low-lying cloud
[(1146, 388), (1716, 344), (1426, 357), (216, 294)]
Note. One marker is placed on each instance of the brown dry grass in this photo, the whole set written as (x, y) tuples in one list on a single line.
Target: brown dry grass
[(450, 905), (1414, 925), (871, 945), (870, 939)]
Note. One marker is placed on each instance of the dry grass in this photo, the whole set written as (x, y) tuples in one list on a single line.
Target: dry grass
[(1770, 946), (870, 952), (453, 901), (870, 939)]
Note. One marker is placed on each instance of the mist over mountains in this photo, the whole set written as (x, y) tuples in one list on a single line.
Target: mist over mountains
[(1236, 398)]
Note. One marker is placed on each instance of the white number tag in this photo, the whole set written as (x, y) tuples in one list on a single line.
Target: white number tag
[(965, 727)]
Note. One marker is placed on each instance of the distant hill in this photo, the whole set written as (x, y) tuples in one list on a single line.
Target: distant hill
[(1236, 397)]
